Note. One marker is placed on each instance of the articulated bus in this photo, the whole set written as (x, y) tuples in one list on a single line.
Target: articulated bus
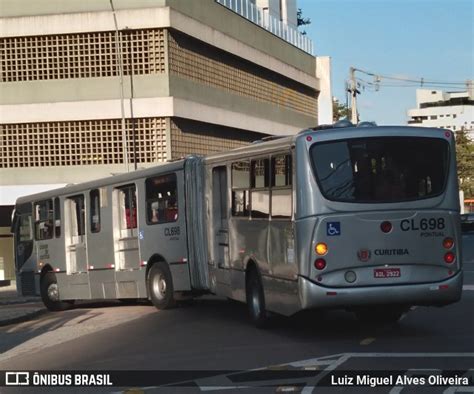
[(360, 218)]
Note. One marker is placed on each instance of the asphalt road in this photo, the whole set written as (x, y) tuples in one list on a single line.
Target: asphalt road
[(214, 335)]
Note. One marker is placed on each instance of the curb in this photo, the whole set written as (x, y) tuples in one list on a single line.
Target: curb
[(24, 301), (23, 318)]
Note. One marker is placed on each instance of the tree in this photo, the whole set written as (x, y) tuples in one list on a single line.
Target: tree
[(465, 162), (302, 21), (339, 110)]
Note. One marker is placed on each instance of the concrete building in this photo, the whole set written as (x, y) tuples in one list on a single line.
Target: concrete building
[(451, 110), (91, 88)]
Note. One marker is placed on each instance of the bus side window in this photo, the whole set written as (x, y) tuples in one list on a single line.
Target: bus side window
[(95, 211), (240, 188), (24, 228), (57, 218), (161, 199), (281, 187), (260, 192), (77, 210), (43, 220)]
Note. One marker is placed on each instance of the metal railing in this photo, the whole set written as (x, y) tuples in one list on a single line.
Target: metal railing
[(262, 18)]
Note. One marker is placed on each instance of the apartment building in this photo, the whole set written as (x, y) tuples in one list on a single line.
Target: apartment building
[(450, 110)]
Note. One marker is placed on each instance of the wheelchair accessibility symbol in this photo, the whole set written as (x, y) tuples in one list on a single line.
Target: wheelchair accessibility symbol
[(333, 228)]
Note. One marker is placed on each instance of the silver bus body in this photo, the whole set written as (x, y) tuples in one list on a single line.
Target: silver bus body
[(291, 214)]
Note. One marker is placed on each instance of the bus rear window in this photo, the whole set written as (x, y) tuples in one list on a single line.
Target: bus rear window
[(381, 169)]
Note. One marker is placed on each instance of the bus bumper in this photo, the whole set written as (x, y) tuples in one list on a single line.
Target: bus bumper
[(446, 292)]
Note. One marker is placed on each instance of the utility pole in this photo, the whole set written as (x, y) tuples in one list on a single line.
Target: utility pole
[(354, 92), (118, 50)]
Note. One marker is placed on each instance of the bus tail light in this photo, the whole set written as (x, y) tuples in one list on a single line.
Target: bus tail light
[(448, 243), (449, 257), (321, 248), (386, 227), (320, 264)]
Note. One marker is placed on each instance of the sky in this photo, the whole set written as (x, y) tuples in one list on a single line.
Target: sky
[(429, 39)]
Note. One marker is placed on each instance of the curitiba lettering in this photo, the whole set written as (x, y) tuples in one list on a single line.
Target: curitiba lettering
[(391, 252)]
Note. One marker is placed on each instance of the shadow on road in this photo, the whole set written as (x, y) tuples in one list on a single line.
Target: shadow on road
[(82, 312), (303, 326)]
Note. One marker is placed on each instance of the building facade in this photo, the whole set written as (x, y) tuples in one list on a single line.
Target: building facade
[(450, 110), (91, 88)]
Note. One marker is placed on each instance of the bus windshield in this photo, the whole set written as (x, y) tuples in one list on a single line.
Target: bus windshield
[(381, 169)]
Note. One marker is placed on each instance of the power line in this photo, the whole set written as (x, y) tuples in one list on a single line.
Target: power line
[(354, 84), (422, 81), (379, 84)]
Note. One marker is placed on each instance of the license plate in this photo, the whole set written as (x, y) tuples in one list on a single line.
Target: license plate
[(387, 273)]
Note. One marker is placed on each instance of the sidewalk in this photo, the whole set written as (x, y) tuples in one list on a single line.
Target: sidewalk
[(15, 308)]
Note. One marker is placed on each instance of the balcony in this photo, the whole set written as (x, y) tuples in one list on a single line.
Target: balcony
[(262, 18)]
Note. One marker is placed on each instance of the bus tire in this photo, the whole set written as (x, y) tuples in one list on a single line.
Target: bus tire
[(50, 293), (160, 286), (380, 314), (256, 300)]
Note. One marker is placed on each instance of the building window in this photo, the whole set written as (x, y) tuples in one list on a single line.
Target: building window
[(43, 220), (433, 117), (85, 142), (81, 55), (162, 199), (195, 60)]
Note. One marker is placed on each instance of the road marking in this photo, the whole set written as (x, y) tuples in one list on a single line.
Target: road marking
[(325, 365), (468, 287), (367, 341)]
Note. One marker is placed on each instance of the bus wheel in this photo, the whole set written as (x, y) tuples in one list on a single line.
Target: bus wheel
[(256, 300), (50, 293), (160, 286), (380, 315)]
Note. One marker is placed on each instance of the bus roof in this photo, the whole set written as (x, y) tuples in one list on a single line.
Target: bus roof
[(264, 146), (159, 168)]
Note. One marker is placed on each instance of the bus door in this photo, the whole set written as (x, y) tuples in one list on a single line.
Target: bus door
[(125, 228), (281, 238), (220, 214), (76, 247), (22, 227)]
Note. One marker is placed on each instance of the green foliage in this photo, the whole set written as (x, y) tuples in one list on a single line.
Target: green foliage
[(339, 110), (301, 20), (465, 162)]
